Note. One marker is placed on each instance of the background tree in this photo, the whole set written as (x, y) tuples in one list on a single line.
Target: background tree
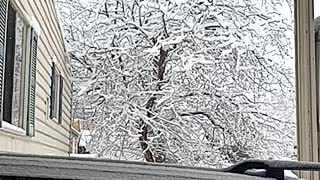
[(194, 82)]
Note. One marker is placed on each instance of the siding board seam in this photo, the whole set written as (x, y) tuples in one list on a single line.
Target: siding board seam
[(56, 123), (53, 35), (53, 138), (57, 45), (60, 29), (26, 138), (45, 30), (62, 125), (46, 34), (46, 48), (54, 21), (59, 132), (67, 88)]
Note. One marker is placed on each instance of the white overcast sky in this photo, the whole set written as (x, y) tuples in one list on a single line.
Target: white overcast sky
[(316, 8)]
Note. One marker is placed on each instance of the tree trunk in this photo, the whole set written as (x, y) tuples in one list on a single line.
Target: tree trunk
[(160, 65)]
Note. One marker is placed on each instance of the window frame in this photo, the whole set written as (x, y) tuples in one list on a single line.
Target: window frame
[(25, 65), (56, 102), (24, 68), (56, 94), (30, 45), (25, 47)]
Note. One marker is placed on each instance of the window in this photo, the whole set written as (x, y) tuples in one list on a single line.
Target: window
[(56, 94), (18, 54), (13, 67)]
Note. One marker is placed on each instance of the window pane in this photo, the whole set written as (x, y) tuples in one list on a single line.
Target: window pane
[(9, 64), (16, 98)]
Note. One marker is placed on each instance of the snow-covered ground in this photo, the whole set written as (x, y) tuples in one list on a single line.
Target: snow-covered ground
[(85, 137), (84, 155), (290, 175)]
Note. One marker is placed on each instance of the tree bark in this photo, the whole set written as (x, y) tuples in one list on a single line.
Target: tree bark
[(161, 67)]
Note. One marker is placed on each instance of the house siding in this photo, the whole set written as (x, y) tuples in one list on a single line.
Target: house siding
[(50, 136)]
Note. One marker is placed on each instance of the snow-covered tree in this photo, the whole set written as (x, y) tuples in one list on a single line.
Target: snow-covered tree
[(194, 82)]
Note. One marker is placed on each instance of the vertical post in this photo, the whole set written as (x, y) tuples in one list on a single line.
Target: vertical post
[(317, 61), (306, 85)]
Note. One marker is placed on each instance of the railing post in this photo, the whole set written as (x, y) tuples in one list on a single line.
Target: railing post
[(306, 85)]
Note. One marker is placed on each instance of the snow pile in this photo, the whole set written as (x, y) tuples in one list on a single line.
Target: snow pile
[(85, 138), (84, 155), (36, 25), (13, 128), (290, 175)]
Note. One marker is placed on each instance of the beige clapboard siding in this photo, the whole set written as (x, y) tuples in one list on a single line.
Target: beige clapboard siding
[(47, 126), (55, 126), (45, 85), (49, 33), (53, 131), (60, 64), (59, 43), (32, 8), (55, 20), (22, 144), (53, 136), (52, 47), (40, 113), (48, 63), (47, 5), (49, 141), (62, 128), (47, 73), (49, 133), (44, 62), (42, 101), (42, 94)]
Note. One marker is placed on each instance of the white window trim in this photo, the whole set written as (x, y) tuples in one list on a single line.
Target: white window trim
[(12, 128), (30, 23), (24, 85), (57, 94), (59, 74), (55, 120)]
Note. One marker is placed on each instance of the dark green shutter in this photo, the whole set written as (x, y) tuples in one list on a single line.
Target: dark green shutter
[(32, 84), (60, 99), (53, 90), (3, 25)]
